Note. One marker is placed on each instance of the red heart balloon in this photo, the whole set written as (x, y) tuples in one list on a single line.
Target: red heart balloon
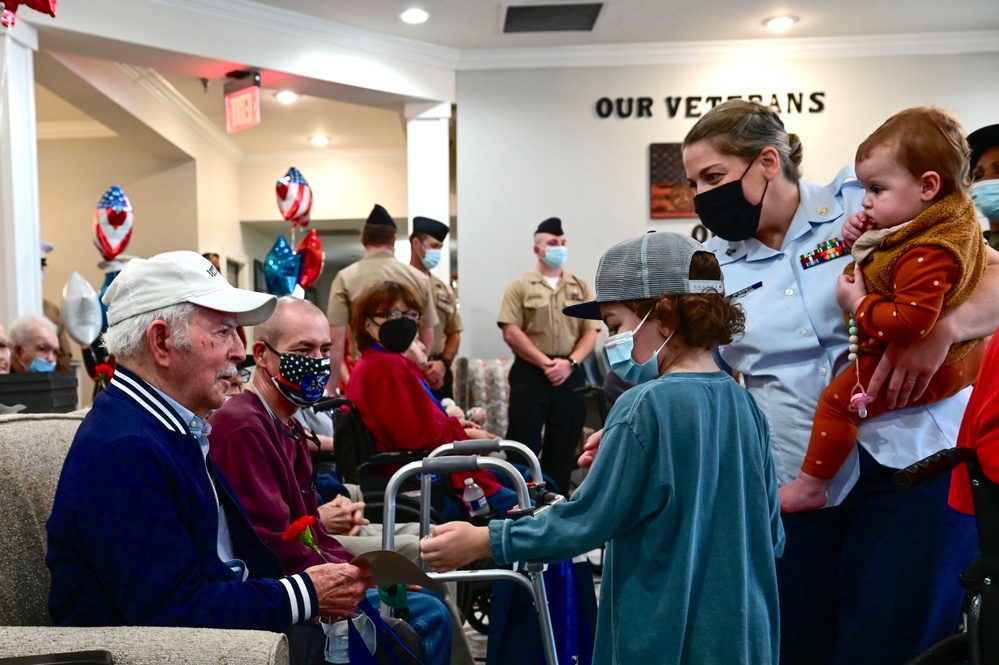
[(311, 251), (10, 9)]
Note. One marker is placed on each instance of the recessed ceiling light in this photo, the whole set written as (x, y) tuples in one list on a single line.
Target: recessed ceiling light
[(780, 23), (287, 97), (414, 16), (320, 141)]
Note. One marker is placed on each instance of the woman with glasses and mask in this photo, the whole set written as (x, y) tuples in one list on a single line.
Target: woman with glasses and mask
[(391, 393), (684, 490), (874, 577)]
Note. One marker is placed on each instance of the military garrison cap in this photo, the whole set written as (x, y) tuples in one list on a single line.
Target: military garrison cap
[(552, 225)]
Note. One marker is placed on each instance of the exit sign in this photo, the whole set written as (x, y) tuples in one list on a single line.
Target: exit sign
[(242, 109)]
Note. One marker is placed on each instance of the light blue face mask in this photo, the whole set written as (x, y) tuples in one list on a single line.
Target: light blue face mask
[(985, 194), (431, 258), (41, 365), (619, 349), (555, 257)]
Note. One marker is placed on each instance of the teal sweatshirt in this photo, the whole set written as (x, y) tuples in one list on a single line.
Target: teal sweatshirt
[(684, 492)]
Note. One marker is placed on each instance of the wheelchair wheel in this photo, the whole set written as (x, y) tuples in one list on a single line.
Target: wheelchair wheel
[(951, 651), (473, 602), (406, 510)]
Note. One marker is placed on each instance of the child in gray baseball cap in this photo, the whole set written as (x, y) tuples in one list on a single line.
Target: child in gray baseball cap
[(684, 490)]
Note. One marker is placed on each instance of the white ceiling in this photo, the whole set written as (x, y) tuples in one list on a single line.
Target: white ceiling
[(477, 24), (473, 28)]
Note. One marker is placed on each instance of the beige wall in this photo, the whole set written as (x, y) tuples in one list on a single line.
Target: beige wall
[(345, 183), (530, 145)]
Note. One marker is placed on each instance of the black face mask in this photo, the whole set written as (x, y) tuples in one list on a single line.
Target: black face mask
[(725, 211), (397, 334), (300, 378)]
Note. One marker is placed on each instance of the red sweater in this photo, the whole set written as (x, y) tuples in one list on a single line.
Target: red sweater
[(401, 414), (980, 429)]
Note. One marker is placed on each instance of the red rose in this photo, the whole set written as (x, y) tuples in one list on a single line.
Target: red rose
[(298, 528)]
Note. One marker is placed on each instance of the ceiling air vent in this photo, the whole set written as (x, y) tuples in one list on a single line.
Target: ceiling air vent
[(552, 18)]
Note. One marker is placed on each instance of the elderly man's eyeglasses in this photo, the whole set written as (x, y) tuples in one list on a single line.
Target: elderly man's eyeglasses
[(392, 314)]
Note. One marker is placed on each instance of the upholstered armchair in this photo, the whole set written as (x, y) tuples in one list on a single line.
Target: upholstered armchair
[(32, 449)]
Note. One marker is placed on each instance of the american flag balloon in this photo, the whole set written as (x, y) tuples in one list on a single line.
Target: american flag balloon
[(8, 16), (112, 223), (294, 198)]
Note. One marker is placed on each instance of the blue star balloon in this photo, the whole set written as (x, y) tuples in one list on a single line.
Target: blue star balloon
[(281, 268)]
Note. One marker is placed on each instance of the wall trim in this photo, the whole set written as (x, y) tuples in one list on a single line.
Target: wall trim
[(274, 19), (164, 92), (825, 48), (73, 129)]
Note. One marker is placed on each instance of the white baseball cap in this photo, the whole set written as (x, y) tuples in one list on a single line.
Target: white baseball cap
[(171, 278)]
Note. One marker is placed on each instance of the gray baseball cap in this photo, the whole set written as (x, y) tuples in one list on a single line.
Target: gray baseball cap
[(649, 266)]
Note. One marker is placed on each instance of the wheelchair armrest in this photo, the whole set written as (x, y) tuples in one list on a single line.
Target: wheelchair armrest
[(926, 468), (395, 457)]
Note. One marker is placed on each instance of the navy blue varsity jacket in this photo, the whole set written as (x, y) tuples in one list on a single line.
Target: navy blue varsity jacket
[(133, 536)]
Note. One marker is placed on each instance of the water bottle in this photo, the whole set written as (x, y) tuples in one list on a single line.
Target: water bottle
[(475, 501)]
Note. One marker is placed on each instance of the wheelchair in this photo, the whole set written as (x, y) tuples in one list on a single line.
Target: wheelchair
[(355, 461), (979, 643)]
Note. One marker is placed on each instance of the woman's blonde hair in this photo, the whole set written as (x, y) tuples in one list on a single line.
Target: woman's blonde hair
[(743, 129)]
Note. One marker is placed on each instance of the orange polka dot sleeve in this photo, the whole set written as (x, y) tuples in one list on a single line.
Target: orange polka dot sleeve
[(922, 278)]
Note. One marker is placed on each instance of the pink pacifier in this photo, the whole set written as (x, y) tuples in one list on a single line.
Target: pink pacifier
[(859, 401)]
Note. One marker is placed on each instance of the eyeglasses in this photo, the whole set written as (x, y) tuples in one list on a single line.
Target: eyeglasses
[(245, 375), (392, 314)]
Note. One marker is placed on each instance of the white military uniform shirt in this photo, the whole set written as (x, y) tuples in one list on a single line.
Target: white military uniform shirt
[(796, 340)]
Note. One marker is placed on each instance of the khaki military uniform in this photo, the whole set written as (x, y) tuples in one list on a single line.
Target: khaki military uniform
[(448, 323), (536, 308), (448, 318), (378, 266), (549, 419)]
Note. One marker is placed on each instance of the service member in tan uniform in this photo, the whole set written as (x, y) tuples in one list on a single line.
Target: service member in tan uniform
[(377, 265), (549, 347), (426, 243)]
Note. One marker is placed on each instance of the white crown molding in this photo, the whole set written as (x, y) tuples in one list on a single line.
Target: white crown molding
[(320, 155), (73, 129), (164, 92), (298, 25), (946, 43)]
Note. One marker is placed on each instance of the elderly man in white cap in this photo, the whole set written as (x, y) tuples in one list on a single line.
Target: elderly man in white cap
[(144, 529)]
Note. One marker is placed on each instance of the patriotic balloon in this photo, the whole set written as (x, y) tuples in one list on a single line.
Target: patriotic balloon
[(311, 251), (81, 311), (112, 223), (10, 9), (294, 198), (281, 268)]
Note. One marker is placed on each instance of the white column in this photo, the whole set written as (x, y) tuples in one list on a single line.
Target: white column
[(429, 168), (20, 255)]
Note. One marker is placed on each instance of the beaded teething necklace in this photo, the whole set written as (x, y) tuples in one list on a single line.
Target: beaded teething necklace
[(859, 399)]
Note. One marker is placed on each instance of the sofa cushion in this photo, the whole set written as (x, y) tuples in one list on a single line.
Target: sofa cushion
[(32, 450), (152, 646)]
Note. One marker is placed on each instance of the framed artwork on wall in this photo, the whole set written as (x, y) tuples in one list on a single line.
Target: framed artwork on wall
[(669, 194)]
